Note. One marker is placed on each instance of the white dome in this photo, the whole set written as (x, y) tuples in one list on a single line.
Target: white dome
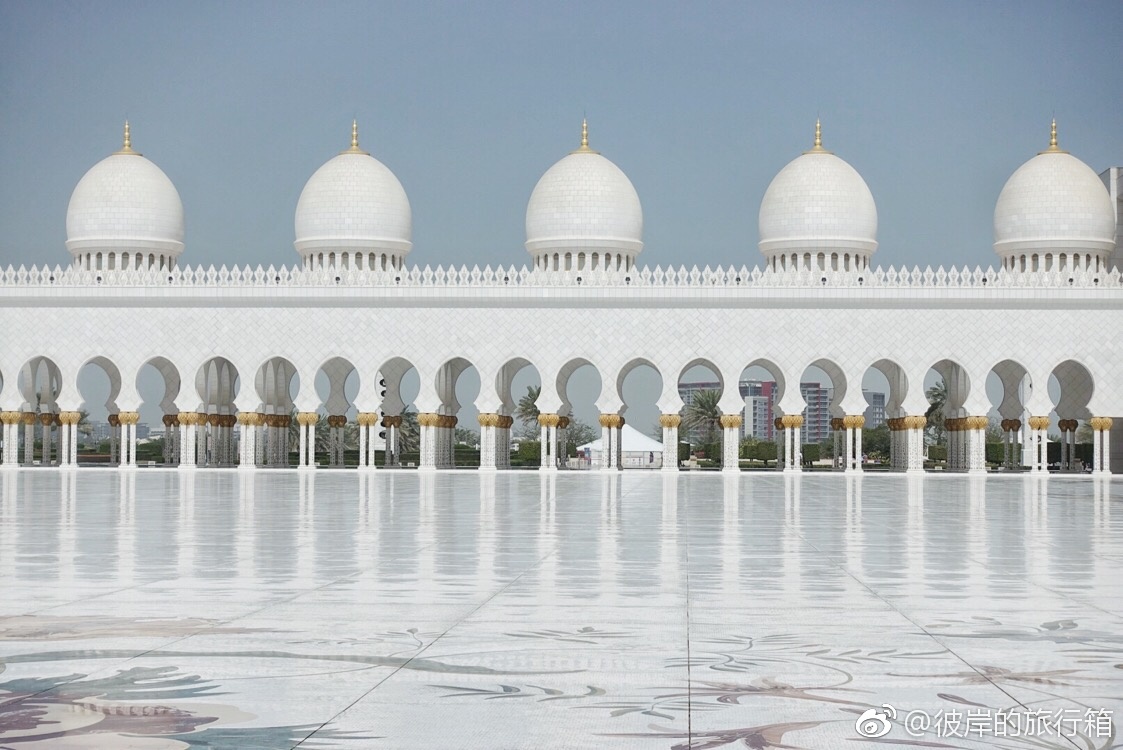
[(818, 204), (1054, 203), (584, 204), (124, 204), (354, 204)]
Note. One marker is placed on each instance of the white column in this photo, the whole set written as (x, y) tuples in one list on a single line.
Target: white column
[(364, 429), (29, 441), (730, 443), (427, 423), (670, 423), (543, 442), (617, 444), (1101, 445), (606, 441)]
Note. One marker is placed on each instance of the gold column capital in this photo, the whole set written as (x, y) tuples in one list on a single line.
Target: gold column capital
[(730, 421), (670, 420)]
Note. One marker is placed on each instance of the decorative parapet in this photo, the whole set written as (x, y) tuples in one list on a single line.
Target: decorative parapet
[(526, 278)]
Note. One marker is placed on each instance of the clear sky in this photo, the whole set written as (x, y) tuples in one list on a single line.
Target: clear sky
[(935, 104)]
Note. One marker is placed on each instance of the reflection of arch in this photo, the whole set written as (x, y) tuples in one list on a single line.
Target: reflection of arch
[(1011, 374), (113, 373), (1077, 386), (566, 372)]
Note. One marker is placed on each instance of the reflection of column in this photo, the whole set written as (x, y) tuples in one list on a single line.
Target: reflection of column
[(669, 535), (670, 424), (126, 529), (730, 537), (730, 442), (185, 530), (1101, 445)]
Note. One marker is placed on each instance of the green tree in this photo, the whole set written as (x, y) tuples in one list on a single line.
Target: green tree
[(702, 416), (1084, 433), (937, 399), (527, 409), (875, 443), (578, 433), (409, 434)]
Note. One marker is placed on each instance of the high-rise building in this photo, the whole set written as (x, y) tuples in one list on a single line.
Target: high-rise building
[(875, 411)]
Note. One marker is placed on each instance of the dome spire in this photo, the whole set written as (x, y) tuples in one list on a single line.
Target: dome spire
[(127, 147), (355, 140), (817, 148), (1053, 147), (584, 149)]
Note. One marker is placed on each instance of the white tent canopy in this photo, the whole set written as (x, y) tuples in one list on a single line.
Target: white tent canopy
[(638, 449)]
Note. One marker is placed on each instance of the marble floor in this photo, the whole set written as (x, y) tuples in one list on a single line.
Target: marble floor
[(159, 610)]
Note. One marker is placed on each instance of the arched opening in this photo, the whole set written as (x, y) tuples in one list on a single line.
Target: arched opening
[(158, 384), (99, 384), (1071, 387), (760, 386), (639, 384), (399, 438), (518, 385), (579, 385), (277, 386), (337, 432), (39, 382), (457, 384), (700, 386), (898, 442), (216, 385), (1007, 387), (946, 386)]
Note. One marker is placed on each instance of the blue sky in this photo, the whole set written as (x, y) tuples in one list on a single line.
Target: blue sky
[(935, 104)]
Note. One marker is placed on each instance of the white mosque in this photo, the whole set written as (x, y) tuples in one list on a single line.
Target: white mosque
[(239, 349)]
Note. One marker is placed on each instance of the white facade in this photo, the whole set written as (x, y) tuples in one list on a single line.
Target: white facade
[(230, 341)]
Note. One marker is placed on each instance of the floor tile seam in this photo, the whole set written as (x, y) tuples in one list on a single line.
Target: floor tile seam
[(931, 635), (420, 653)]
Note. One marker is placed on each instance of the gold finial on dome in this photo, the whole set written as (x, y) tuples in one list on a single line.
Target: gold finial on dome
[(354, 140), (817, 148), (1053, 147), (127, 147), (584, 149)]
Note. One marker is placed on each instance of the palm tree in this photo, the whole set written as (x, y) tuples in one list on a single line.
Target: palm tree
[(527, 409), (703, 415), (937, 399)]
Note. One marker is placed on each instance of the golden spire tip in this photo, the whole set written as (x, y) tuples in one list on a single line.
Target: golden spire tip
[(354, 139), (1053, 147), (584, 149), (817, 148), (127, 146)]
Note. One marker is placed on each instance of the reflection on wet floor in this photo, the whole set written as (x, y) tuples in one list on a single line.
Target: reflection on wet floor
[(463, 610)]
